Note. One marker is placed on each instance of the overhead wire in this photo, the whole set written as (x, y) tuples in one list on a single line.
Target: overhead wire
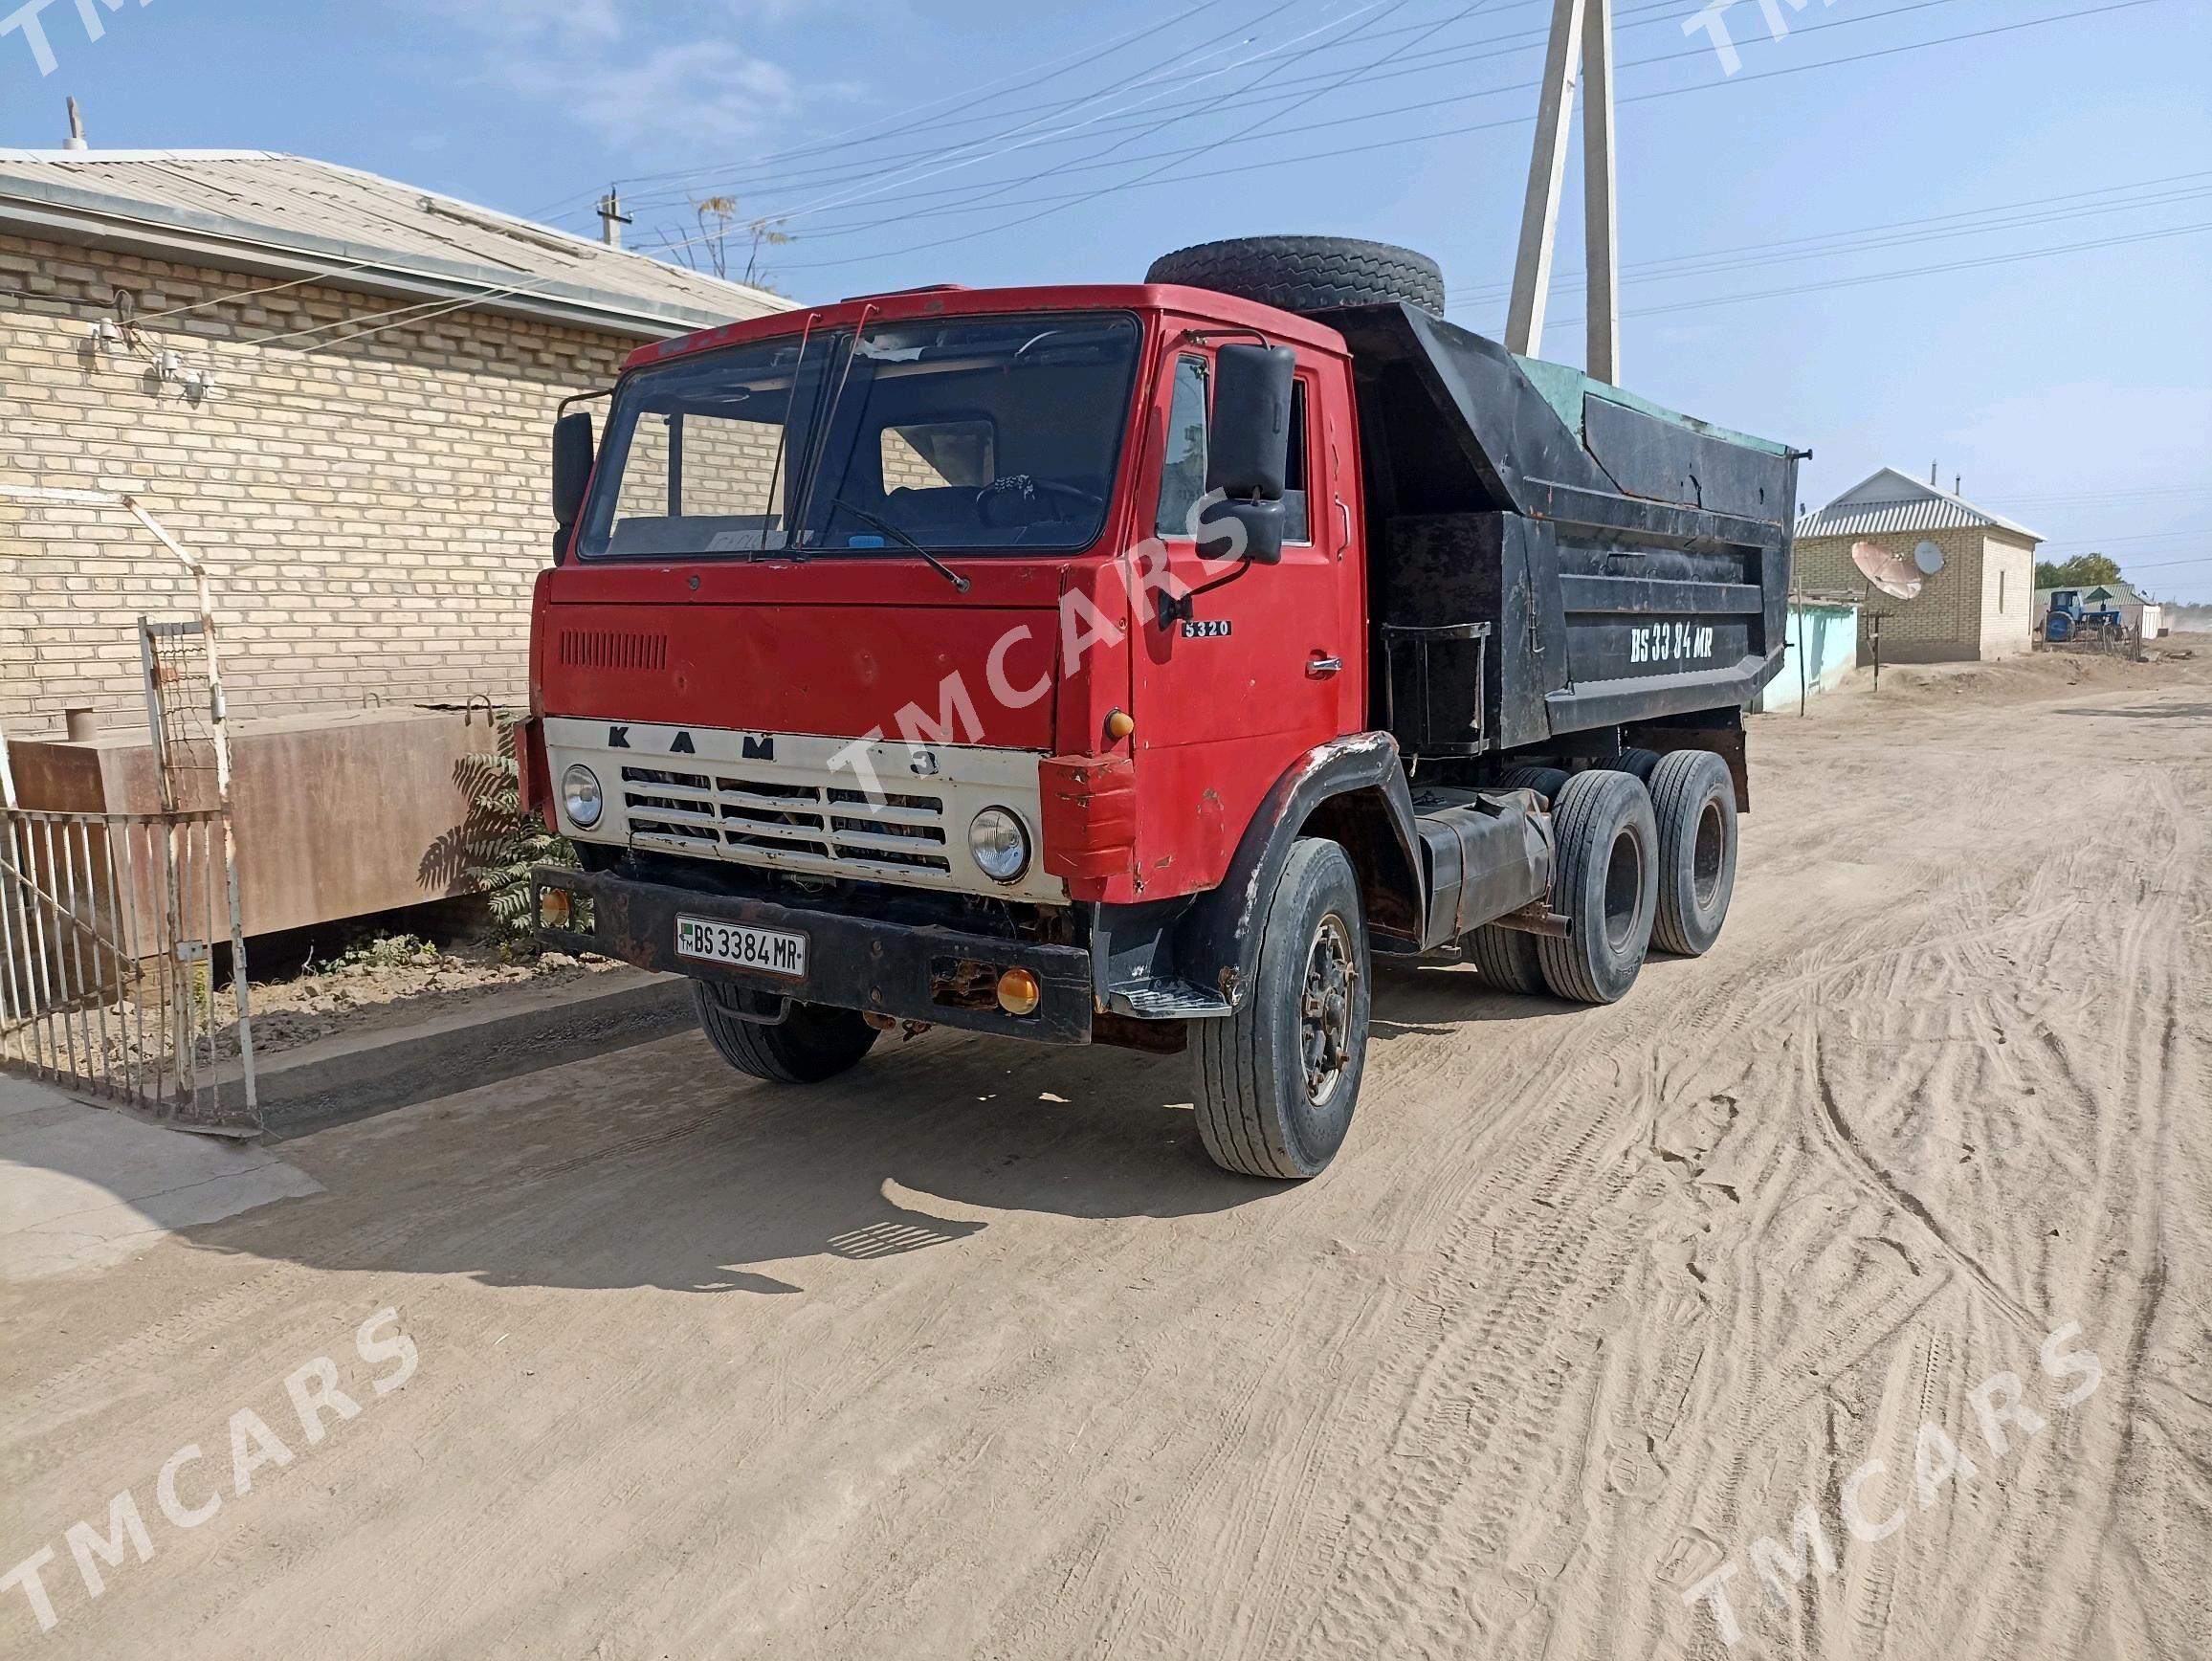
[(1344, 151), (1656, 11)]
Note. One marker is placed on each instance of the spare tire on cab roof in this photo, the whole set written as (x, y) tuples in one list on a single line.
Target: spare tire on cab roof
[(1307, 274)]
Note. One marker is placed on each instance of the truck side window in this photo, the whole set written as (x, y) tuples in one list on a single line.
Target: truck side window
[(1297, 520), (1183, 471)]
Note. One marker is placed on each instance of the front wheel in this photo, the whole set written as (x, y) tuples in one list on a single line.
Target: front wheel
[(811, 1043), (1277, 1081)]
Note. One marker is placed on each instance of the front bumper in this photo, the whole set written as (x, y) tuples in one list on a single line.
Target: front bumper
[(944, 976)]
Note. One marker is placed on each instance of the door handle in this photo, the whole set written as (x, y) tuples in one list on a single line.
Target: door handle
[(1321, 668)]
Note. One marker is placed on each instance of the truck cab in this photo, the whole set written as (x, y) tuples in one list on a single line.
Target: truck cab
[(1018, 660)]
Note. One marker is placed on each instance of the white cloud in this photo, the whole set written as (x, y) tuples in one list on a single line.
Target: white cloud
[(568, 20), (636, 85)]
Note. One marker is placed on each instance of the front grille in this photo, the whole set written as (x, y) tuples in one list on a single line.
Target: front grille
[(790, 824)]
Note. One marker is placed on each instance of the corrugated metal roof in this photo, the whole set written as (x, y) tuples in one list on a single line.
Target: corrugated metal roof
[(266, 211), (1890, 501)]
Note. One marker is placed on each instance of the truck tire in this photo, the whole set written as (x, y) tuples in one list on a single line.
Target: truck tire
[(1506, 958), (1695, 801), (1605, 883), (1277, 1081), (1638, 764), (1307, 274), (1545, 782), (811, 1043)]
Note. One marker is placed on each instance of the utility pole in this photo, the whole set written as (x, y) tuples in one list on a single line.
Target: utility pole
[(611, 217), (1601, 218), (1581, 39)]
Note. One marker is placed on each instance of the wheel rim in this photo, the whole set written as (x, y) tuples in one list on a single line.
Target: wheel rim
[(1623, 891), (1325, 1010), (1706, 853)]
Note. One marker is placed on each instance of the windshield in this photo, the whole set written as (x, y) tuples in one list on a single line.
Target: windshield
[(961, 435)]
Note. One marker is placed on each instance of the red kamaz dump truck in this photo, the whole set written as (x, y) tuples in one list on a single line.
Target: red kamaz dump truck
[(1137, 664)]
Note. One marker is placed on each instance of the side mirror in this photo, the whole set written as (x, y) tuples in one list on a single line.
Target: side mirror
[(1263, 531), (573, 458), (1252, 423)]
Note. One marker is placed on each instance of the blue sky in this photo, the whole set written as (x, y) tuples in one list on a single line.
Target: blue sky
[(903, 143)]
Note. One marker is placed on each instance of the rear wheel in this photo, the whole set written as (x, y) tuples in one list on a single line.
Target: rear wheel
[(1277, 1081), (1639, 764), (1545, 782), (1694, 800), (1506, 958), (811, 1043), (1606, 852)]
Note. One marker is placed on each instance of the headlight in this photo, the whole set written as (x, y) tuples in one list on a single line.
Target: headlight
[(999, 845), (580, 797)]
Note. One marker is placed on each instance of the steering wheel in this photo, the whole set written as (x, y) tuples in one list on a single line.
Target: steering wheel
[(1012, 500)]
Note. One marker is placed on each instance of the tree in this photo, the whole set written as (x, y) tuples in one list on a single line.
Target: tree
[(2082, 571), (717, 217)]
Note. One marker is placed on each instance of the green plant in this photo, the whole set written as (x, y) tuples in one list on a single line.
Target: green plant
[(501, 841)]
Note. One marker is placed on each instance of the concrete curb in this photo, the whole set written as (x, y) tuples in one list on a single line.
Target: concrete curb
[(343, 1079)]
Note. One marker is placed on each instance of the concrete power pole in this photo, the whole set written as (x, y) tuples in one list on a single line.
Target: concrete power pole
[(611, 217), (1582, 45)]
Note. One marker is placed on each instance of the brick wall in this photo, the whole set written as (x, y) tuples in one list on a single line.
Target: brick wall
[(373, 511), (1947, 620), (2007, 596)]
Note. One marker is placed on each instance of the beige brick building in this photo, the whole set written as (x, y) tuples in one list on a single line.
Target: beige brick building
[(1976, 598), (337, 390)]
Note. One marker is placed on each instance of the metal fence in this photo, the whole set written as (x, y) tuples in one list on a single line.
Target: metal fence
[(110, 925)]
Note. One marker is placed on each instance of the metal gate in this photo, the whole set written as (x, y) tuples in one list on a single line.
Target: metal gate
[(109, 927), (111, 924)]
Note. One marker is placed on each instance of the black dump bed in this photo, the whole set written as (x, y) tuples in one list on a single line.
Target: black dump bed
[(1549, 555)]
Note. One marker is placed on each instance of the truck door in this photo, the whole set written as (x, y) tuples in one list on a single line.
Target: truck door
[(1266, 666)]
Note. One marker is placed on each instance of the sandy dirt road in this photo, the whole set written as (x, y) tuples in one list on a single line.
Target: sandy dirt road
[(973, 1354)]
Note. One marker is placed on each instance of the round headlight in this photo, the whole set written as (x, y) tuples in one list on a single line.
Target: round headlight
[(999, 845), (580, 797)]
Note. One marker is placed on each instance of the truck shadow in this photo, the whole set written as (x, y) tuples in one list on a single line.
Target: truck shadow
[(657, 1166)]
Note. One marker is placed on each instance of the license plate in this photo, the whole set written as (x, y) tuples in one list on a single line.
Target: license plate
[(742, 946)]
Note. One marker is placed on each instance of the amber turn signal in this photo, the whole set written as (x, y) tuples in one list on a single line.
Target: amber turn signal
[(1120, 725), (1019, 992)]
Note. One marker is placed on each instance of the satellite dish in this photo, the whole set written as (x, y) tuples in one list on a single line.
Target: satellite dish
[(1929, 558), (1894, 574)]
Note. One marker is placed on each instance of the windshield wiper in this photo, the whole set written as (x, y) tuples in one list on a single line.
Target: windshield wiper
[(889, 529)]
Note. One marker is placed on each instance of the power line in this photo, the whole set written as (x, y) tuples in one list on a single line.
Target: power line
[(974, 151), (885, 185), (1343, 151), (2105, 498), (1872, 278), (1086, 165), (1656, 11), (2139, 537), (839, 139), (1869, 236), (1349, 77)]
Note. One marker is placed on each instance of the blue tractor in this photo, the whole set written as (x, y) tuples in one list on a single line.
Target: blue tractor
[(2069, 620)]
